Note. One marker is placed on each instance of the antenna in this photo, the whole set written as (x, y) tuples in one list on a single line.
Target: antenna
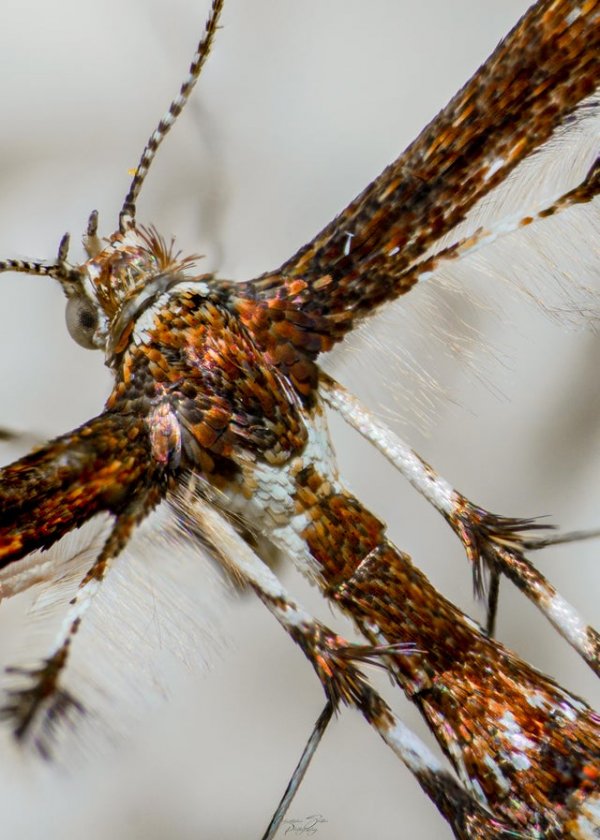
[(127, 214), (61, 270)]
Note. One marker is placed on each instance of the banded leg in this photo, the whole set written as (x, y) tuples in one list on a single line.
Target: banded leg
[(494, 540), (38, 708), (333, 659), (104, 466)]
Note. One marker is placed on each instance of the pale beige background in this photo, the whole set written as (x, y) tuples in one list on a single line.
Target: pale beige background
[(303, 102)]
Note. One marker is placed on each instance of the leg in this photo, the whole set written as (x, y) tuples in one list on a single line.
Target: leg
[(494, 541), (333, 659), (35, 711)]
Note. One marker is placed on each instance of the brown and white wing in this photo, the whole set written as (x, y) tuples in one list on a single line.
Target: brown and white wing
[(517, 145), (58, 507)]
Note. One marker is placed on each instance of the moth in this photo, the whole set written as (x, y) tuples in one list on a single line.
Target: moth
[(345, 245)]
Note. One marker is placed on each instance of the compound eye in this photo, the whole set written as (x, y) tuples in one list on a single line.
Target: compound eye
[(82, 321)]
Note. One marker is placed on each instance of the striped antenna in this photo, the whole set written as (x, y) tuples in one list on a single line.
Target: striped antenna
[(127, 214), (29, 267), (60, 269)]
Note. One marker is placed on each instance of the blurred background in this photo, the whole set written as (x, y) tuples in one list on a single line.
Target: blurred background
[(301, 104)]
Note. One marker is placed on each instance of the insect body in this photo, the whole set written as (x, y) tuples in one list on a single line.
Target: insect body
[(218, 405)]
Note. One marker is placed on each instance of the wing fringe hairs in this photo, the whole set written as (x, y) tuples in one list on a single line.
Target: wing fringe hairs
[(551, 261), (149, 625), (450, 322)]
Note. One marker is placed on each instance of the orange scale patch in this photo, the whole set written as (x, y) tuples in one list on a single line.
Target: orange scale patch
[(205, 435), (287, 330), (157, 372), (277, 305), (217, 418), (296, 287)]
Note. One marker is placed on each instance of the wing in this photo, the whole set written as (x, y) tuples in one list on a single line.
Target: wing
[(62, 509), (96, 468), (457, 187)]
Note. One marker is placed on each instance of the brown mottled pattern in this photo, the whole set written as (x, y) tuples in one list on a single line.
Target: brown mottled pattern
[(332, 659), (221, 378), (528, 87), (336, 519), (503, 717), (290, 337), (199, 359), (195, 391), (99, 467)]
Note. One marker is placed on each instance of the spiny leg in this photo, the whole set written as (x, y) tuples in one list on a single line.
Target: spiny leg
[(496, 541), (333, 658), (39, 708)]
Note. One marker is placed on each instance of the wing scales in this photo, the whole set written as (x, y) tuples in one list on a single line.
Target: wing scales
[(537, 89)]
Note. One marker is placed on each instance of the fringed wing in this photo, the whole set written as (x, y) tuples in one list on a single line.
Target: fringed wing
[(158, 615), (519, 143), (62, 485), (60, 508)]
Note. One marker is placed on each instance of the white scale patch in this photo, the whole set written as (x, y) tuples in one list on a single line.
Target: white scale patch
[(434, 488), (498, 775), (537, 700), (518, 740), (589, 819), (412, 750), (424, 275), (272, 501), (573, 15), (495, 166), (145, 323), (563, 615)]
